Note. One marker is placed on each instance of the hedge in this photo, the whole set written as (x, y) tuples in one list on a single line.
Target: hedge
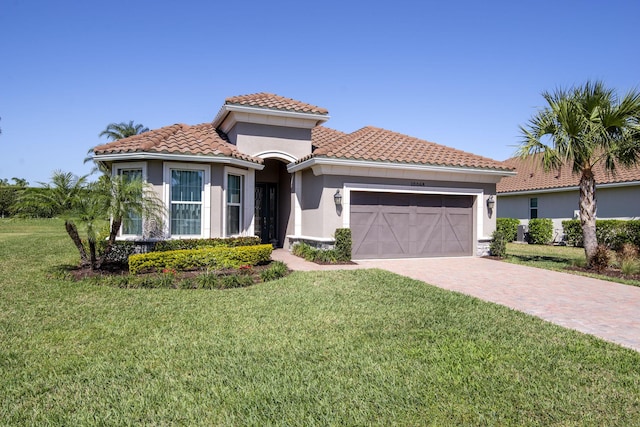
[(612, 233), (540, 231), (172, 245), (194, 259), (508, 228)]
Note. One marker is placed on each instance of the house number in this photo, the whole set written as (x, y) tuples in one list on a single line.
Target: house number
[(417, 184)]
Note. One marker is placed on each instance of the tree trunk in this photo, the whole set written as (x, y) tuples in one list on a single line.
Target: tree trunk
[(92, 254), (115, 227), (588, 213), (72, 231)]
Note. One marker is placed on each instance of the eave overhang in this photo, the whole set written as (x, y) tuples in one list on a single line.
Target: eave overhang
[(563, 189), (306, 120), (225, 160), (316, 162)]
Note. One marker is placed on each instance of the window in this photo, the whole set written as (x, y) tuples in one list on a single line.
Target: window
[(186, 197), (132, 223), (234, 204), (533, 208)]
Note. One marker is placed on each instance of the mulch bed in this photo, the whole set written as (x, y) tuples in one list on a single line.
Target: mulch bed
[(609, 272)]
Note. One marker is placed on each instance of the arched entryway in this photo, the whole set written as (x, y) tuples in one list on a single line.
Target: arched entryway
[(273, 202)]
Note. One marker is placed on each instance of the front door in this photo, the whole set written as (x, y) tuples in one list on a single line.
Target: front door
[(266, 218)]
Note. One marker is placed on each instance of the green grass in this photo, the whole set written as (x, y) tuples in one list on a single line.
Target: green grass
[(359, 347), (556, 258)]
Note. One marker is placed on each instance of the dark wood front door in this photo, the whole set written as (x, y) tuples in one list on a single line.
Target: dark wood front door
[(266, 218)]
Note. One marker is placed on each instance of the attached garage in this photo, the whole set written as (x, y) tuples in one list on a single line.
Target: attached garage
[(411, 225)]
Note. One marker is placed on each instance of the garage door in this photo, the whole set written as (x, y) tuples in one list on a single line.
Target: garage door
[(396, 225)]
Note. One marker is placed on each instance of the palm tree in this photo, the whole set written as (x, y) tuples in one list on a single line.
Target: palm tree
[(583, 126), (20, 182), (59, 197), (123, 197), (115, 131)]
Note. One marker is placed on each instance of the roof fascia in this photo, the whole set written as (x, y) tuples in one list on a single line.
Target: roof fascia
[(228, 108), (572, 188), (178, 157), (314, 161)]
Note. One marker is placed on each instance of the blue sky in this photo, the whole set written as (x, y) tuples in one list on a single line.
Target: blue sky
[(460, 73)]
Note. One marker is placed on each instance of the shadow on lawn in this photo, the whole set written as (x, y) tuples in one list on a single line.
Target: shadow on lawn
[(546, 259)]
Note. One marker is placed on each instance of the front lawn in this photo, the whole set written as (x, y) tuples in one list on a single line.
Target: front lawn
[(358, 347), (559, 258)]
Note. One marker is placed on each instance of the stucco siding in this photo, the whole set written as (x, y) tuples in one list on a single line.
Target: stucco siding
[(621, 202), (255, 139), (154, 177), (321, 217), (311, 204), (217, 205), (613, 203)]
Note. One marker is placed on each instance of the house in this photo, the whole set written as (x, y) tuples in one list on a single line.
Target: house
[(267, 166), (534, 193)]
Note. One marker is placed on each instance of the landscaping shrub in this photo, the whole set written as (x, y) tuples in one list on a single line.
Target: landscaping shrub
[(610, 232), (193, 259), (508, 227), (633, 232), (276, 270), (173, 245), (627, 251), (309, 253), (629, 266), (601, 259), (573, 232), (540, 231), (120, 250), (498, 245), (207, 280), (303, 250), (234, 281), (343, 244)]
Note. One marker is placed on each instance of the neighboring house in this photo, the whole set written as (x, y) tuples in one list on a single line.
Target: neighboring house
[(266, 166), (534, 193)]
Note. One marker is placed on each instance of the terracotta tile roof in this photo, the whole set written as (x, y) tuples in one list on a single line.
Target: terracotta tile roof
[(375, 144), (322, 136), (274, 102), (201, 139), (531, 176)]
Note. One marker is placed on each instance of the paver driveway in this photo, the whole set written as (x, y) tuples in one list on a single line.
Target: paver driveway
[(605, 309)]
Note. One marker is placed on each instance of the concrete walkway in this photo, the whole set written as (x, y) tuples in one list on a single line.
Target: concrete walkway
[(607, 310)]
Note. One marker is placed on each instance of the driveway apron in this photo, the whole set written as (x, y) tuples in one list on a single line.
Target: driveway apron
[(607, 310)]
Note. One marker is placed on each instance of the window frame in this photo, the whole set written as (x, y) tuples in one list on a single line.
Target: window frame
[(205, 199), (117, 170), (532, 208), (245, 223)]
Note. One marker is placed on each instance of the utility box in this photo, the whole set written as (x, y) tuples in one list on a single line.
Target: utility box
[(522, 233)]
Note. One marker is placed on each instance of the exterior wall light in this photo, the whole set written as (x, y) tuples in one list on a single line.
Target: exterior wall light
[(337, 198), (491, 203)]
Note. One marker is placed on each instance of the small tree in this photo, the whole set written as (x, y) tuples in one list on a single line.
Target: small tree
[(584, 126), (60, 197), (122, 197), (87, 204)]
